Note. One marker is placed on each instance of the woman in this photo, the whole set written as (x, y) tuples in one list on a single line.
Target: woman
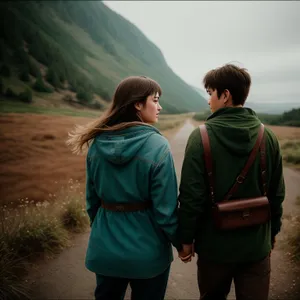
[(131, 194)]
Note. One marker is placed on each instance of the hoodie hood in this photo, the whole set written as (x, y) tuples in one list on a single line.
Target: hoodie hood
[(119, 147), (236, 128)]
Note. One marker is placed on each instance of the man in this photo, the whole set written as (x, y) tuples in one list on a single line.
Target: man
[(241, 254)]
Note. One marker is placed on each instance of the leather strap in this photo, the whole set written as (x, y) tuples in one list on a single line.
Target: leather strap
[(126, 207), (260, 144)]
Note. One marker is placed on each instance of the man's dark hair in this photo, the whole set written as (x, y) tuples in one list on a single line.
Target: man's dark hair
[(236, 80)]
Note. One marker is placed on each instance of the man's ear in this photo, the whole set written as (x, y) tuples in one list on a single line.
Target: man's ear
[(138, 106), (227, 95)]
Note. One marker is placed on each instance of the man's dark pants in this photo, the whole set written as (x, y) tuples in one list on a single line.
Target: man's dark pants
[(251, 280), (113, 288)]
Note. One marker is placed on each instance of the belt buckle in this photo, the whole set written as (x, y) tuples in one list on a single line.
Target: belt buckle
[(120, 207)]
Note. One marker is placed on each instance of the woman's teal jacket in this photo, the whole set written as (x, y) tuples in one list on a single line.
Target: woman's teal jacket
[(131, 165)]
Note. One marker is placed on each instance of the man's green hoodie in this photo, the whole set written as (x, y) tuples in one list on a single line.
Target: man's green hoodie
[(232, 133)]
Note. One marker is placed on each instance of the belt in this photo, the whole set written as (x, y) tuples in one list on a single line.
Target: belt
[(126, 207)]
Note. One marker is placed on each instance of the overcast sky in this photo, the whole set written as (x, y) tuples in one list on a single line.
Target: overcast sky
[(196, 36)]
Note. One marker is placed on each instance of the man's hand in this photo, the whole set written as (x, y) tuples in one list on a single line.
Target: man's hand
[(273, 240), (186, 253)]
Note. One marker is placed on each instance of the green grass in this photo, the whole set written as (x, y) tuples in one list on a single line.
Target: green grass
[(7, 106), (201, 116), (29, 230), (291, 152), (166, 122), (293, 238)]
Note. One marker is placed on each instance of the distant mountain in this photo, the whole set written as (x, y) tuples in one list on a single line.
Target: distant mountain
[(86, 47), (201, 92), (275, 108)]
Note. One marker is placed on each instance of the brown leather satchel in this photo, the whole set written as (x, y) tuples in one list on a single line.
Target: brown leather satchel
[(232, 214)]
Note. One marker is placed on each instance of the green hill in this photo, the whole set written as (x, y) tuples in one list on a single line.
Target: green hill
[(86, 47)]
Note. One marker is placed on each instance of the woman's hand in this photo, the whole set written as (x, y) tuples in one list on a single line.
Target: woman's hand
[(186, 253)]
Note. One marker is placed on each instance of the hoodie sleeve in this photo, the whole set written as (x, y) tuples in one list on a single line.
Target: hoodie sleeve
[(92, 199), (193, 191), (276, 193), (164, 197)]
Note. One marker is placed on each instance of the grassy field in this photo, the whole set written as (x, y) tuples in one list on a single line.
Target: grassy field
[(20, 107), (42, 185)]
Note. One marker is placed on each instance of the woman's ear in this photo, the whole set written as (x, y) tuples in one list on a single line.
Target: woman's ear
[(138, 106)]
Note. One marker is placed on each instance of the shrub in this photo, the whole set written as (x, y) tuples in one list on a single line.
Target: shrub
[(97, 105), (34, 68), (293, 238), (1, 86), (291, 151), (53, 78), (74, 216), (5, 71), (24, 75), (293, 157), (31, 229), (68, 98), (10, 267), (26, 96), (201, 116), (73, 213), (41, 87), (84, 96), (10, 93)]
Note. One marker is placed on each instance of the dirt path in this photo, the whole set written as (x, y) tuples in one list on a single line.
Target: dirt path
[(65, 277)]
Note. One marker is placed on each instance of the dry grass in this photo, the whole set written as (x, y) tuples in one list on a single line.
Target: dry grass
[(30, 230), (285, 132), (11, 287), (167, 122), (41, 206), (292, 237), (35, 161), (291, 151)]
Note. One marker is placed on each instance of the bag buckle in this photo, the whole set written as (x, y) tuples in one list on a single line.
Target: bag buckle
[(246, 214), (240, 179)]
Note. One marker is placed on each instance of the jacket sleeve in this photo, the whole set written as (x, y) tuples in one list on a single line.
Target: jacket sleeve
[(193, 197), (164, 191), (92, 199), (276, 192)]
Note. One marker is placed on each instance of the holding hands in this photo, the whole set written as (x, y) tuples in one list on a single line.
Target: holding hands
[(186, 253)]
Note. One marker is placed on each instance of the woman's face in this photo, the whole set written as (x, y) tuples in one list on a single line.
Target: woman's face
[(150, 110)]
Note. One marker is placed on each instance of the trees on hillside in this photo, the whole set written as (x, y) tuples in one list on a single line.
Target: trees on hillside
[(40, 86), (5, 70), (53, 78), (1, 86)]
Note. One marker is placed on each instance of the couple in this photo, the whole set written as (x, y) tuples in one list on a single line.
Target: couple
[(132, 196)]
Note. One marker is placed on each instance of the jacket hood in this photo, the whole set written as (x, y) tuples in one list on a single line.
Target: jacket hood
[(119, 147), (236, 128)]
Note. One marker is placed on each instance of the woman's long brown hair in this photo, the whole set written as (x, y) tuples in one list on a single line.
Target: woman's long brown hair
[(120, 115)]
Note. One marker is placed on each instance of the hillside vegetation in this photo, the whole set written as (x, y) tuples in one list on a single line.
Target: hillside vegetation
[(288, 118), (84, 47)]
